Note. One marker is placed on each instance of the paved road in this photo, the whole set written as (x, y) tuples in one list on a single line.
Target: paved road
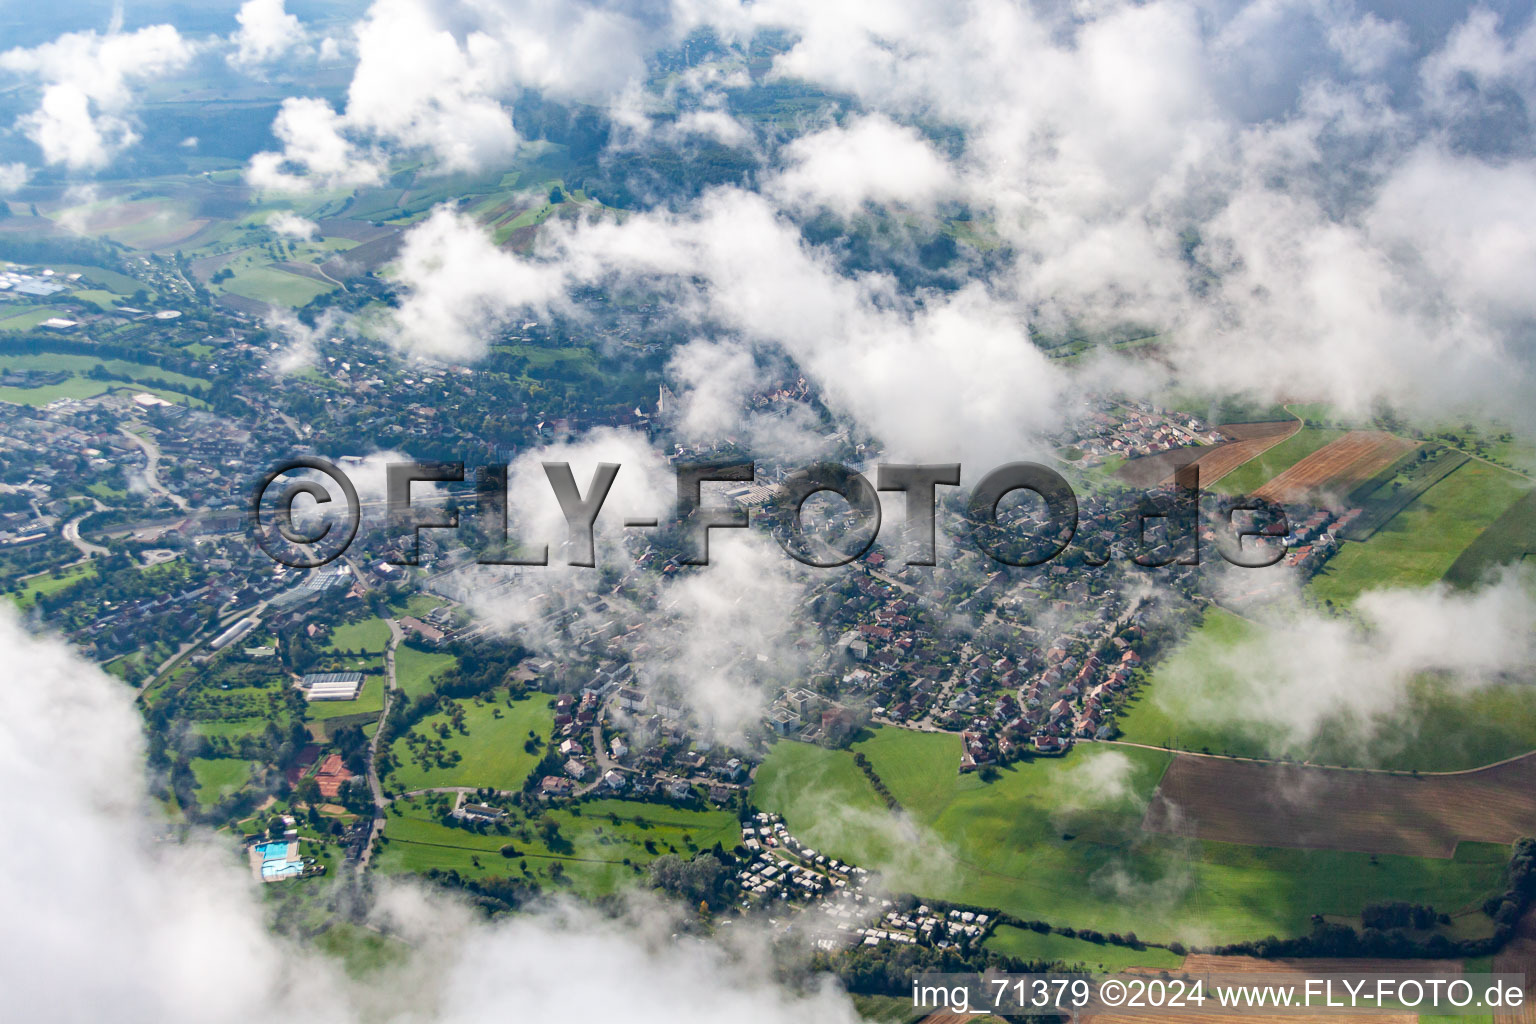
[(85, 547), (152, 468), (395, 635)]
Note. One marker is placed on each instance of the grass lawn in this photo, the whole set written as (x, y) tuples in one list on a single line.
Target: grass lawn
[(117, 283), (414, 669), (1511, 538), (1422, 541), (1257, 472), (217, 777), (370, 700), (490, 750), (266, 283), (364, 635), (591, 847), (26, 317), (231, 727), (48, 583), (1060, 840), (81, 365), (1031, 945), (1436, 729), (419, 605), (75, 387)]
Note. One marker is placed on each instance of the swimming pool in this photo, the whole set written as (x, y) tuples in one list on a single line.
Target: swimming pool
[(273, 851), (286, 869)]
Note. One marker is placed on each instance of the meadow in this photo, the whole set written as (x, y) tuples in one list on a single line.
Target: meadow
[(601, 846), (1438, 728), (1060, 840), (52, 582), (1421, 543), (1096, 956), (218, 777), (491, 750), (370, 635), (415, 670)]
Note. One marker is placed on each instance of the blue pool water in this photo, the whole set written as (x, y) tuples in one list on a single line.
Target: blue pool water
[(283, 870), (273, 851)]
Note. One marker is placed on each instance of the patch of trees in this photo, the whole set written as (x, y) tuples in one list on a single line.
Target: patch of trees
[(480, 669), (491, 895), (1330, 939), (706, 879), (876, 781)]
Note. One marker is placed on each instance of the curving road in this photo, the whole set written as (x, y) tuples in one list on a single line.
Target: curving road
[(395, 636), (152, 468)]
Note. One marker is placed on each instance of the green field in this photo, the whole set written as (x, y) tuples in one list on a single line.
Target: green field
[(26, 318), (218, 777), (269, 284), (1030, 945), (414, 669), (1510, 539), (1061, 840), (114, 282), (364, 635), (1421, 543), (1257, 472), (81, 365), (1193, 698), (491, 749), (48, 583), (591, 847), (75, 387)]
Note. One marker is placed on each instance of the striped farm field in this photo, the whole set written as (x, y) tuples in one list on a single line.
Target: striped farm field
[(1337, 466)]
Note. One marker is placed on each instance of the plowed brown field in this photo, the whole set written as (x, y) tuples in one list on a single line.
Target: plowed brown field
[(1337, 466), (1266, 804)]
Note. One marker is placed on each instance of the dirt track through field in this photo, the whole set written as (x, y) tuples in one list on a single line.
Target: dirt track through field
[(1337, 466), (1258, 803)]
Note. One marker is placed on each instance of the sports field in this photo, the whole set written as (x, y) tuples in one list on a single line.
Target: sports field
[(1061, 840)]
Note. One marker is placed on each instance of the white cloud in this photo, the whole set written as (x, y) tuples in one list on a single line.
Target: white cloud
[(267, 31), (315, 152), (1300, 670), (13, 177), (174, 930), (873, 159), (291, 225), (439, 79), (82, 121)]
